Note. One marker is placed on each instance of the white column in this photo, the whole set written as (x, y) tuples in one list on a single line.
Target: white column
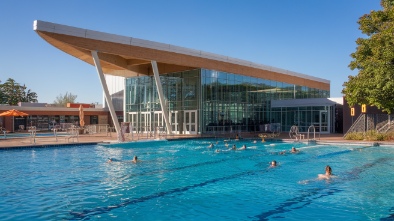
[(163, 102), (107, 96)]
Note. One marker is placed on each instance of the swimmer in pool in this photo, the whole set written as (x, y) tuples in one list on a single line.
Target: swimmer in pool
[(234, 147), (327, 175), (294, 150), (135, 159), (243, 147), (273, 164), (210, 145), (113, 160)]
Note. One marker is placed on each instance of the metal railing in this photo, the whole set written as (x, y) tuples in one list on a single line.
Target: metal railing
[(98, 128), (314, 132), (365, 122)]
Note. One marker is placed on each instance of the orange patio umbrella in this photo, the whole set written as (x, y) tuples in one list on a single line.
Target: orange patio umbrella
[(81, 116), (13, 113)]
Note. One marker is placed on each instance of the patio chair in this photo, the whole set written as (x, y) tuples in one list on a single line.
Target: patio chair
[(4, 132)]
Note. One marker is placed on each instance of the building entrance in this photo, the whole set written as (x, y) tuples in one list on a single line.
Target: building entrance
[(190, 122), (174, 121), (324, 123)]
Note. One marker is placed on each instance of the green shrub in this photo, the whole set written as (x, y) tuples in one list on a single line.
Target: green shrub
[(354, 136), (372, 135), (389, 135)]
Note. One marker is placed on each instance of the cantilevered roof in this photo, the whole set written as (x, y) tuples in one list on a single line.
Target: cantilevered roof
[(128, 57)]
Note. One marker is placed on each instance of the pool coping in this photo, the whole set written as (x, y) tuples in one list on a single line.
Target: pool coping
[(319, 141), (48, 145)]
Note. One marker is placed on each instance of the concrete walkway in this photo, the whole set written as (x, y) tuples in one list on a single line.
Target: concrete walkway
[(112, 138)]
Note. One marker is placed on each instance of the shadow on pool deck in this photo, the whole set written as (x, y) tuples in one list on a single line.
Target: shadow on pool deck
[(112, 138)]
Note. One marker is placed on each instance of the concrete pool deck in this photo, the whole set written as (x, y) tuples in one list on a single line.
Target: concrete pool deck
[(26, 141)]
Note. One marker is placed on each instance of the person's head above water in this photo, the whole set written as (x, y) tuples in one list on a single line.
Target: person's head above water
[(273, 163), (328, 170)]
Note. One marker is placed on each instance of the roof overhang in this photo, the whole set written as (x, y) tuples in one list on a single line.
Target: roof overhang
[(128, 57)]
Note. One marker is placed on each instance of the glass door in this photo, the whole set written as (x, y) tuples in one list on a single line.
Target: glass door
[(174, 122), (190, 122), (324, 122), (158, 121), (145, 122), (133, 119)]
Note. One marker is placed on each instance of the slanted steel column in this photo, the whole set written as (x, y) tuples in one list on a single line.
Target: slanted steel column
[(163, 102), (107, 96)]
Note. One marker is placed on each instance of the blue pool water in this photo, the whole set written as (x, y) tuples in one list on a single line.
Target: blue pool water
[(186, 180)]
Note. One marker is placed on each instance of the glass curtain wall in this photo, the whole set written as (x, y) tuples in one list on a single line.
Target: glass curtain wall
[(236, 103), (321, 117), (224, 102)]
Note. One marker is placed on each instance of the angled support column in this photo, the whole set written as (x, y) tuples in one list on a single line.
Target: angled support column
[(107, 96), (163, 102)]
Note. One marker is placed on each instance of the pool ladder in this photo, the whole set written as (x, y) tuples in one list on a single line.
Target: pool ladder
[(314, 134)]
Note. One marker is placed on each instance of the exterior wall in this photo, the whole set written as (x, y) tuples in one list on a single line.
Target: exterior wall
[(115, 86), (77, 105), (348, 119)]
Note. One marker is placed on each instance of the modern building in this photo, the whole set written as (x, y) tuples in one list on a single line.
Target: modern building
[(187, 91)]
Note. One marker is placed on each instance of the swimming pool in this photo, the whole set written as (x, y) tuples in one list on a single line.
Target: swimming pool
[(186, 180)]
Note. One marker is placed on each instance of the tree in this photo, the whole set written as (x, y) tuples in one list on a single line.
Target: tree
[(11, 93), (62, 100), (374, 59)]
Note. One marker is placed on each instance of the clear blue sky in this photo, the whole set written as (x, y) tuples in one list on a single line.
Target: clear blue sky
[(313, 37)]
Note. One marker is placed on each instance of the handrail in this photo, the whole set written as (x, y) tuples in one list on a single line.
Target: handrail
[(314, 132)]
